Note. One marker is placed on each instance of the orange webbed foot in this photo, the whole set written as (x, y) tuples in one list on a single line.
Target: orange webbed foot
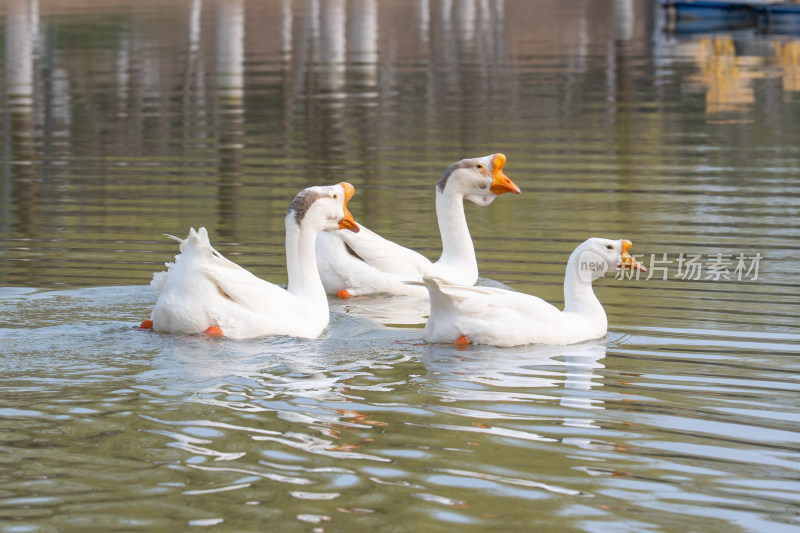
[(343, 294), (213, 331), (146, 324), (463, 340)]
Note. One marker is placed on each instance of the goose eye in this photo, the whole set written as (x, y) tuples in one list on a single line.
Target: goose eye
[(479, 166), (335, 196), (609, 247)]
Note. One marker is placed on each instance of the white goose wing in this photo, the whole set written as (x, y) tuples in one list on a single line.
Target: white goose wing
[(383, 254), (488, 315), (476, 302), (245, 288), (492, 303), (197, 240)]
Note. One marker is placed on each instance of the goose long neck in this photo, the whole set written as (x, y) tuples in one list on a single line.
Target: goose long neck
[(457, 247), (301, 262), (579, 297)]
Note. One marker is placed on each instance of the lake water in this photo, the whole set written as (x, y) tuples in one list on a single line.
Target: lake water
[(127, 120)]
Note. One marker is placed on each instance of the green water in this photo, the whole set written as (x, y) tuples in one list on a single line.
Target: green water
[(125, 121)]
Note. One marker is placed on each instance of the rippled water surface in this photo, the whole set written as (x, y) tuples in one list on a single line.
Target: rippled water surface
[(127, 120)]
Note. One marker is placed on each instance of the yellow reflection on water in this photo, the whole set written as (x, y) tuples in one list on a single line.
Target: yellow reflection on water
[(788, 57), (727, 73), (728, 78)]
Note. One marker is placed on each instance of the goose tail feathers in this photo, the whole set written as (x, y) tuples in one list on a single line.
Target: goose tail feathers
[(197, 239)]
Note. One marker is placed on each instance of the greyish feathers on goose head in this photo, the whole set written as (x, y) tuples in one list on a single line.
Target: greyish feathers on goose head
[(302, 202), (481, 179), (464, 163), (329, 205)]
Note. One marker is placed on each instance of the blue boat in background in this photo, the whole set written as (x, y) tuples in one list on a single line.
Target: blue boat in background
[(692, 16), (712, 10), (781, 18)]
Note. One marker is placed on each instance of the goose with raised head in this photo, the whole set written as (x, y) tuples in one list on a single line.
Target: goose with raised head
[(204, 292), (356, 264), (499, 317)]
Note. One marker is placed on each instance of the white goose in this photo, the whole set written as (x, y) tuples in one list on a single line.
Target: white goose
[(485, 315), (204, 292), (355, 264)]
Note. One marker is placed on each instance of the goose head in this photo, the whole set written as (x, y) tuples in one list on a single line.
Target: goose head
[(597, 256), (478, 180), (323, 208)]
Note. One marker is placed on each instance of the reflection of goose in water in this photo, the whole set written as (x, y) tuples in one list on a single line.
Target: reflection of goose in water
[(581, 361), (483, 373), (389, 310), (385, 309), (301, 382)]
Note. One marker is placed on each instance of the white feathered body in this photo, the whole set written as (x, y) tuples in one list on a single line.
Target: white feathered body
[(379, 265), (365, 262), (500, 317), (487, 315), (202, 289)]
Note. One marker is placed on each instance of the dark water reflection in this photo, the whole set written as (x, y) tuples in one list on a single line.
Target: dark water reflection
[(124, 121)]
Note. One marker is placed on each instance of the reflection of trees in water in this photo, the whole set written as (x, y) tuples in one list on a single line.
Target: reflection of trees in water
[(328, 85), (467, 66), (344, 61), (230, 110), (334, 74), (326, 71), (194, 98), (21, 185)]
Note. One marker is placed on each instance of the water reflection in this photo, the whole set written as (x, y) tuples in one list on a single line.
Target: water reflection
[(467, 55), (194, 93), (730, 64), (479, 372), (624, 19), (331, 66), (536, 376), (728, 79), (230, 95), (423, 19), (327, 69), (22, 26), (20, 188), (362, 56), (788, 58), (361, 422), (385, 310), (330, 80), (124, 119)]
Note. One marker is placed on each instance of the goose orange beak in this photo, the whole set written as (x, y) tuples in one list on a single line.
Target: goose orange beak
[(627, 262), (348, 222), (500, 182)]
